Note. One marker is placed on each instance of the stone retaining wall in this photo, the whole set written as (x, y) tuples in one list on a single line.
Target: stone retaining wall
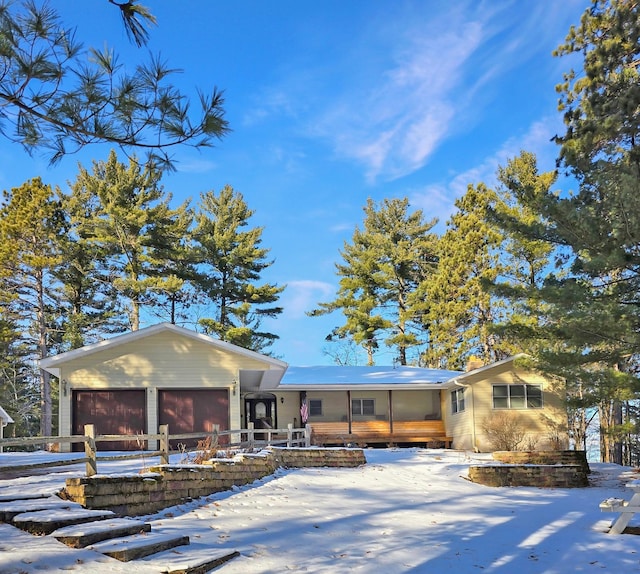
[(563, 457), (167, 485), (546, 476)]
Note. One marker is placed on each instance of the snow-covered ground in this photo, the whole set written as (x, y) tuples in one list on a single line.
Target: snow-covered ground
[(406, 510)]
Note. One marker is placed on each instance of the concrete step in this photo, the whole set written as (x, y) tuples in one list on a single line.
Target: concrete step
[(81, 535), (46, 521), (193, 559), (139, 545), (10, 509)]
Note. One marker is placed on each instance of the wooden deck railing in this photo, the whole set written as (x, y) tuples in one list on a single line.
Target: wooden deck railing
[(239, 438), (379, 432)]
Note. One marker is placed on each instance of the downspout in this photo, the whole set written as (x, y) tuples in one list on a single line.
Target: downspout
[(473, 413), (349, 410)]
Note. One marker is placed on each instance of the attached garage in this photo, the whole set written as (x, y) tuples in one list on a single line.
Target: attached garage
[(111, 412), (193, 410), (163, 374)]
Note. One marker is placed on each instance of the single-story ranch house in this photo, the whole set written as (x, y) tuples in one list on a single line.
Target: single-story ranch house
[(165, 374)]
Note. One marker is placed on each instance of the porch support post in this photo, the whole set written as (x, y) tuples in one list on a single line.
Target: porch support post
[(349, 410), (390, 409)]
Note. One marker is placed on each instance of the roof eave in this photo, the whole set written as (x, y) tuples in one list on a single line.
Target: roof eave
[(357, 387)]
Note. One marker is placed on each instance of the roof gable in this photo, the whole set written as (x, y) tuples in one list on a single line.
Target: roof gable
[(481, 373), (54, 363)]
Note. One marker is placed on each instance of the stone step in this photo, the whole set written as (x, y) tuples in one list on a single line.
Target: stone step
[(139, 545), (46, 521), (81, 535), (10, 509), (193, 559), (25, 496)]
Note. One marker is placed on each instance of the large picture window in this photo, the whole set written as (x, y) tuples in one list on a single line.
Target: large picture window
[(363, 407), (517, 396), (457, 401)]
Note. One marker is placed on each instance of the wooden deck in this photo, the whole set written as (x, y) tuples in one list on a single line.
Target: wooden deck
[(379, 432)]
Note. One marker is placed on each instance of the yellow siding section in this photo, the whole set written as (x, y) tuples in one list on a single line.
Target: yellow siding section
[(459, 426), (407, 405), (416, 405), (165, 360), (542, 426)]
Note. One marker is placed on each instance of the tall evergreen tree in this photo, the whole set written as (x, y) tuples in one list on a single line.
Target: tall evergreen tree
[(31, 225), (459, 311), (127, 214), (230, 264), (383, 267), (89, 308), (592, 320), (526, 260)]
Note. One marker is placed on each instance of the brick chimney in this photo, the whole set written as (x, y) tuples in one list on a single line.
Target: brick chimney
[(474, 363)]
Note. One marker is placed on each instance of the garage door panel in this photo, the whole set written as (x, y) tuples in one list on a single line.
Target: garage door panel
[(121, 412), (193, 410)]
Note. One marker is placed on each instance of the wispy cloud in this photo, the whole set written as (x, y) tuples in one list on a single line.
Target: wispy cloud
[(196, 165), (395, 122), (390, 97), (437, 200)]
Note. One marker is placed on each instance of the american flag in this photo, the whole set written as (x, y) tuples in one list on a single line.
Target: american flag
[(304, 411)]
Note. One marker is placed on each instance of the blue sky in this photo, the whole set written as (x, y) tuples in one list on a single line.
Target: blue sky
[(331, 103)]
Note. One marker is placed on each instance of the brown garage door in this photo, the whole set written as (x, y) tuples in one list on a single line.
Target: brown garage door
[(193, 410), (112, 412)]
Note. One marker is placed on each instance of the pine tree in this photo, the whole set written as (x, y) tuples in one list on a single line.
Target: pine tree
[(459, 311), (127, 215), (230, 264), (31, 225), (383, 267), (55, 96), (526, 260)]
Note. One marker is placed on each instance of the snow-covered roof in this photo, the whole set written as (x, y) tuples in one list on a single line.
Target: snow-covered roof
[(5, 419), (384, 377)]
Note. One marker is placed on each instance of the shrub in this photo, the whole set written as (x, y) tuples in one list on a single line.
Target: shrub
[(504, 431)]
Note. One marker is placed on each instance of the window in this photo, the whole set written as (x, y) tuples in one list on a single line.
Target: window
[(315, 407), (517, 397), (363, 407), (457, 401)]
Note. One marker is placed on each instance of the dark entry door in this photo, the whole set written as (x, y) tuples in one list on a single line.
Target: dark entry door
[(193, 410), (112, 412), (260, 409)]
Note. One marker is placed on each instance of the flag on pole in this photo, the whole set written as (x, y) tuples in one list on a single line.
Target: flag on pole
[(304, 411)]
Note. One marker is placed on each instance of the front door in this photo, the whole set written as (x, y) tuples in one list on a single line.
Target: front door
[(260, 409)]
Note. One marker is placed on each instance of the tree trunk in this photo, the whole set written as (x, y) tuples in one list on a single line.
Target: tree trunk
[(45, 378)]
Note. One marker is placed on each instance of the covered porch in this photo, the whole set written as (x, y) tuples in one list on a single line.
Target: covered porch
[(364, 417), (360, 405)]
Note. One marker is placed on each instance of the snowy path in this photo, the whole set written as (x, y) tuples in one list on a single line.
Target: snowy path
[(406, 511)]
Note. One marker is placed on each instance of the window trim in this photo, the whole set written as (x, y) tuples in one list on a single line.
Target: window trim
[(508, 396)]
